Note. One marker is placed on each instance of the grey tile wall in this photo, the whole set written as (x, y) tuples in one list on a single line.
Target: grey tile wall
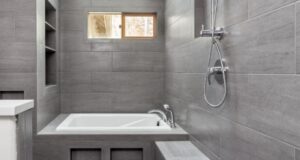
[(297, 154), (259, 119), (109, 75), (48, 99), (18, 61)]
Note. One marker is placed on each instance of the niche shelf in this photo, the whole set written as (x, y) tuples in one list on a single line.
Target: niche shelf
[(49, 27), (51, 42), (50, 50)]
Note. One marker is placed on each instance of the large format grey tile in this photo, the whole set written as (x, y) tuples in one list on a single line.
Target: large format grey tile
[(25, 7), (7, 26), (19, 82), (175, 8), (17, 57), (124, 3), (6, 20), (266, 103), (76, 82), (74, 41), (190, 58), (190, 88), (17, 65), (74, 4), (25, 29), (138, 61), (232, 12), (7, 5), (103, 82), (239, 142), (86, 102), (138, 82), (87, 62), (262, 45), (124, 82), (297, 155), (298, 37), (48, 108), (181, 31), (128, 45), (137, 101), (205, 127), (257, 7), (72, 20)]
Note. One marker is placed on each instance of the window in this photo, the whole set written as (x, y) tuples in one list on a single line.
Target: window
[(102, 25)]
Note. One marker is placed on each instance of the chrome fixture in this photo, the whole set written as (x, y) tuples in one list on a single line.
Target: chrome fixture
[(171, 119), (216, 33), (160, 113)]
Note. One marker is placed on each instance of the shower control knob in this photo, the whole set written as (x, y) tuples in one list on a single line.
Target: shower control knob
[(217, 69)]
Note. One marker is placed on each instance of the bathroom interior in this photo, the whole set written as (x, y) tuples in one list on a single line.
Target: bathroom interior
[(149, 80)]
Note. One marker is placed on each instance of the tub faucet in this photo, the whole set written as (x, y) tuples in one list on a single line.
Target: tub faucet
[(159, 112), (171, 119)]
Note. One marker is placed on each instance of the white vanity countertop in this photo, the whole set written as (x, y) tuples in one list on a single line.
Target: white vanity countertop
[(14, 107)]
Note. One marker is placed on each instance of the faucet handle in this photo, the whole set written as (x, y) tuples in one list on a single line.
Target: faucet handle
[(202, 27)]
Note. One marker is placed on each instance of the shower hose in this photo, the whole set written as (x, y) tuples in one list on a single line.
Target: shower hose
[(215, 43)]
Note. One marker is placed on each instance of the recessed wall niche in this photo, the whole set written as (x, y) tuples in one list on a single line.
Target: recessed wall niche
[(11, 94), (201, 16), (50, 41)]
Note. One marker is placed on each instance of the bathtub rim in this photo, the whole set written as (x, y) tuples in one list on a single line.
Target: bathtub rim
[(50, 129), (64, 126)]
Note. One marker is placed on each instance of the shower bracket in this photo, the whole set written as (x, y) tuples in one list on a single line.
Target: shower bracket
[(218, 32)]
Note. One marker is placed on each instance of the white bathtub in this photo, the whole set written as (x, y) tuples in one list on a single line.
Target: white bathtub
[(113, 122)]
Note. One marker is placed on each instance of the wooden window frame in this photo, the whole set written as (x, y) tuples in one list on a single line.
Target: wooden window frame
[(154, 15)]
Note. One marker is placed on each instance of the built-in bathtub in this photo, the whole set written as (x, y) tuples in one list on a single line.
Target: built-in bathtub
[(113, 122), (105, 136)]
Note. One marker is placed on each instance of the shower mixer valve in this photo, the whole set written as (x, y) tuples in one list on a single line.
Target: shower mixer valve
[(217, 32), (217, 68)]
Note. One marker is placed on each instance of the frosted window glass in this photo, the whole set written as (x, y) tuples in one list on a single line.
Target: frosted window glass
[(104, 25), (139, 26)]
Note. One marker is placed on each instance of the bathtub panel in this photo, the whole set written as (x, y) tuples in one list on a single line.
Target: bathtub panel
[(86, 154), (127, 154), (94, 150)]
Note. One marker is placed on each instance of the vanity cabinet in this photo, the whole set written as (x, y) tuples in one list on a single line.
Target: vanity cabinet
[(16, 129)]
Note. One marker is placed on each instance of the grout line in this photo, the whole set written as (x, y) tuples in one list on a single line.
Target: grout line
[(192, 139), (250, 74), (248, 127), (295, 36), (261, 133), (262, 14), (295, 31), (294, 153)]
